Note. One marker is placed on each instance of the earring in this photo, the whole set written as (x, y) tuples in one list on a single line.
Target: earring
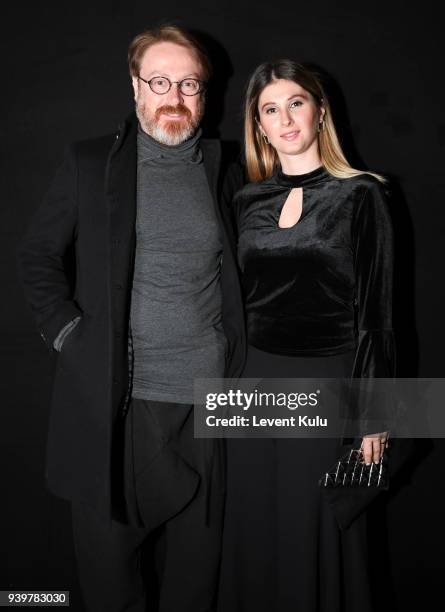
[(265, 138), (320, 126)]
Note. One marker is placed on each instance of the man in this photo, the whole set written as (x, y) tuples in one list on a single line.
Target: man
[(154, 302)]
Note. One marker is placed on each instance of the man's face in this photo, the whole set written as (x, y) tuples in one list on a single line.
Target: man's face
[(173, 117)]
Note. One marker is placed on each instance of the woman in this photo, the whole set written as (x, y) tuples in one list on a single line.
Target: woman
[(315, 253)]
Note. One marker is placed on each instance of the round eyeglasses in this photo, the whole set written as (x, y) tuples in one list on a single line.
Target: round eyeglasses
[(162, 85)]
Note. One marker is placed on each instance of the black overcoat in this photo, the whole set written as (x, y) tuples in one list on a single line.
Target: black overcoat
[(91, 208)]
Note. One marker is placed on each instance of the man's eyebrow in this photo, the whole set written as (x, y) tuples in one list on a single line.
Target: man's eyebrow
[(153, 73), (302, 95)]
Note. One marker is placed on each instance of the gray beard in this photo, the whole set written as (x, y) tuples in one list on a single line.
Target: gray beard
[(153, 129)]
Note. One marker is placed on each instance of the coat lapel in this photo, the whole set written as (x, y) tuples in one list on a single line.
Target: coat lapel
[(120, 189), (211, 153)]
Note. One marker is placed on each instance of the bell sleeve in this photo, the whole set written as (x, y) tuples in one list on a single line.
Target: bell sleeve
[(372, 246), (373, 249), (373, 255)]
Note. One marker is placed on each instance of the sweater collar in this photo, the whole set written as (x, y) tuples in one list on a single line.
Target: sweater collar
[(188, 151)]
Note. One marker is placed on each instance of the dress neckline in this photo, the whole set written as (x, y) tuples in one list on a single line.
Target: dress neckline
[(302, 180)]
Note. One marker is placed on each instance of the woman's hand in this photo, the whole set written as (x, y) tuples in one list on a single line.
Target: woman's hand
[(373, 446)]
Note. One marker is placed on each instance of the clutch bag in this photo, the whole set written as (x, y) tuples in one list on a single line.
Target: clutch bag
[(350, 470)]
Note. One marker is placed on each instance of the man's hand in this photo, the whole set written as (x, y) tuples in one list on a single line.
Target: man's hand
[(373, 446)]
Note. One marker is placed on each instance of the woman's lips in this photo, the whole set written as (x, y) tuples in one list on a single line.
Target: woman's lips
[(290, 135)]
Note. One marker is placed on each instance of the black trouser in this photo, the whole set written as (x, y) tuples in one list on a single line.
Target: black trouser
[(175, 495)]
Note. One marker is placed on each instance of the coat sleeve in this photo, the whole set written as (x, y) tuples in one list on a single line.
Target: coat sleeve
[(41, 254)]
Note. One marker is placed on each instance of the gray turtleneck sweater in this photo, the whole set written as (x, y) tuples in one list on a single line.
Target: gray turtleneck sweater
[(176, 295)]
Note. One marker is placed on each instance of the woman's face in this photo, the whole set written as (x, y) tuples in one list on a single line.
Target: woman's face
[(289, 117)]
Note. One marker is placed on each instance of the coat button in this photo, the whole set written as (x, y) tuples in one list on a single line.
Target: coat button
[(117, 286)]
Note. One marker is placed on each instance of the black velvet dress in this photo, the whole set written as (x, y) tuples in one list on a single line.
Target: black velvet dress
[(318, 304)]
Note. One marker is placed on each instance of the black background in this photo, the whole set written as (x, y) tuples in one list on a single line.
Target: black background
[(65, 78)]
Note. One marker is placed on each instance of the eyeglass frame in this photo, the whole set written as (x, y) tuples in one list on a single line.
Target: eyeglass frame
[(201, 89)]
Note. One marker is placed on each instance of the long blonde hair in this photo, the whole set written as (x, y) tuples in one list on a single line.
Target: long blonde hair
[(261, 158)]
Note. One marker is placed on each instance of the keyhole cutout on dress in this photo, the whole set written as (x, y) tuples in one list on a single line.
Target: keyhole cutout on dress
[(292, 208)]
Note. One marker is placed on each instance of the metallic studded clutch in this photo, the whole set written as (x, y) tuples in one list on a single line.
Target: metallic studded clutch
[(351, 471)]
